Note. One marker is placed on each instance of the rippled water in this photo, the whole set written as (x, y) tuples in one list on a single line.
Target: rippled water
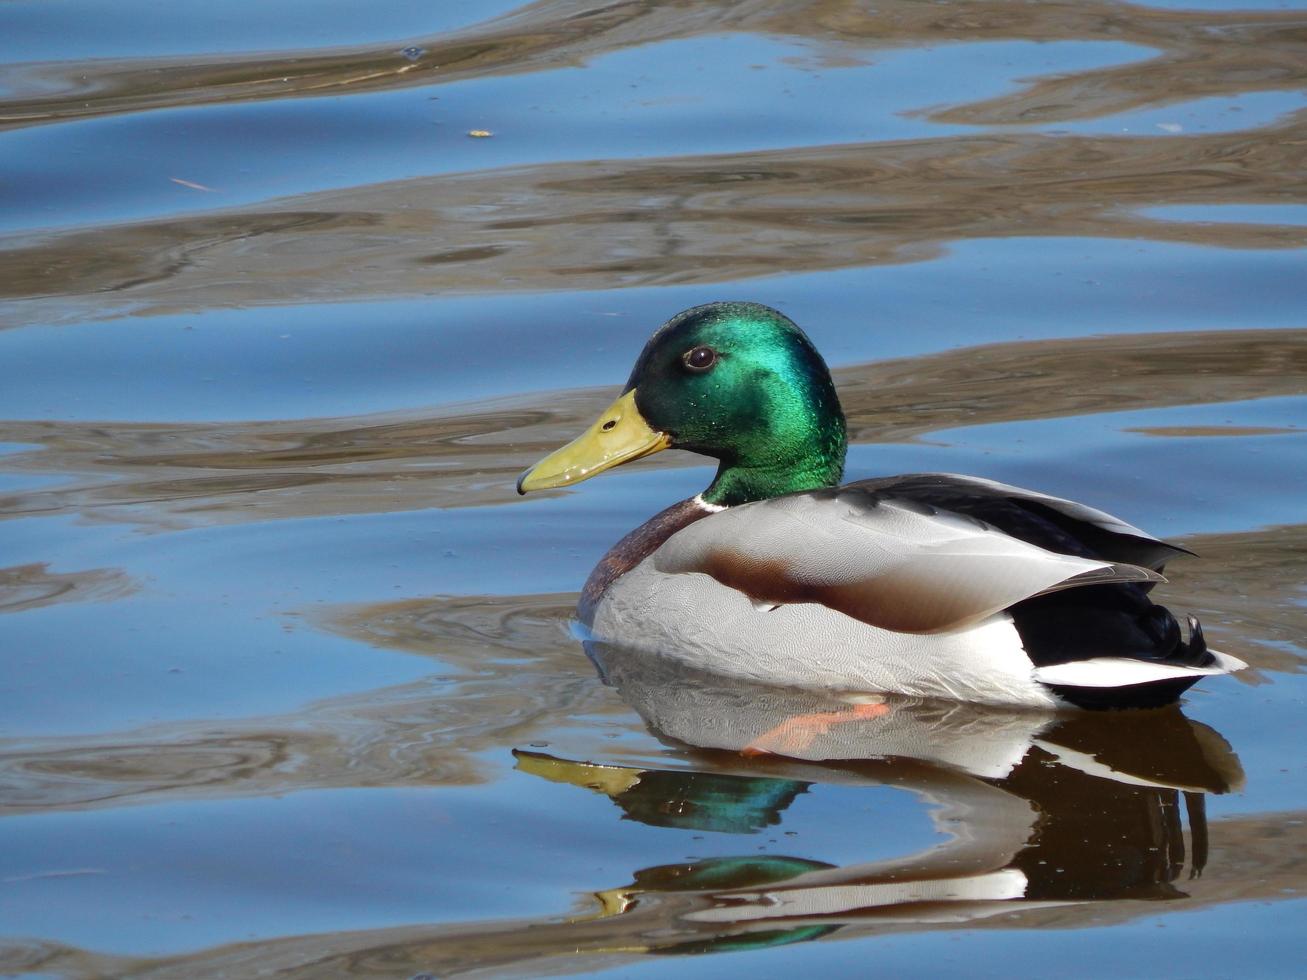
[(288, 683)]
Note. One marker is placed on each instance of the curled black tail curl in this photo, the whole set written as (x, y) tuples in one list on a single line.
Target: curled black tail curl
[(1198, 652)]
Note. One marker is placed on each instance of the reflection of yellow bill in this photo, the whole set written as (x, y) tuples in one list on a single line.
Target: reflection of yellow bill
[(614, 901), (609, 780), (618, 436)]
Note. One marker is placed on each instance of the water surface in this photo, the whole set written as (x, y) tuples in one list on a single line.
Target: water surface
[(289, 687)]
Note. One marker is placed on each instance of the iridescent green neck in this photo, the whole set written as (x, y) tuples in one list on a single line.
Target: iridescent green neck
[(802, 452), (741, 484)]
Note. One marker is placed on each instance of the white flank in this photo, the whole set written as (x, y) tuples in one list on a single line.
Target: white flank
[(693, 618)]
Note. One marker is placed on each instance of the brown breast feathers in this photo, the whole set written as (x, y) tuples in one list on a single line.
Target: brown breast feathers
[(635, 548)]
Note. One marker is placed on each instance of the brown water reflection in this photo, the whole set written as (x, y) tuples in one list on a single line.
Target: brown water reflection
[(1211, 52), (171, 476), (691, 219), (508, 673), (677, 220), (1250, 591), (25, 587)]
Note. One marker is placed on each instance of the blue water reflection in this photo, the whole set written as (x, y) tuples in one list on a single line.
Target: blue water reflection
[(354, 358), (288, 683)]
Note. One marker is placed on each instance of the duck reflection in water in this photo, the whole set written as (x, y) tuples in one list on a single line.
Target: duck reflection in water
[(1041, 810)]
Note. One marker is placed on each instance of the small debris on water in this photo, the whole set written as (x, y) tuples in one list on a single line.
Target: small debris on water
[(192, 185), (480, 133)]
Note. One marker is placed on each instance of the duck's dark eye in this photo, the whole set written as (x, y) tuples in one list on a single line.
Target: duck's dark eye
[(699, 358)]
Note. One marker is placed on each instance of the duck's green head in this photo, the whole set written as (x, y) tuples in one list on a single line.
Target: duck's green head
[(735, 381)]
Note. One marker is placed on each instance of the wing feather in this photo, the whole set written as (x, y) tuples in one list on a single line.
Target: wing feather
[(1103, 534), (882, 561)]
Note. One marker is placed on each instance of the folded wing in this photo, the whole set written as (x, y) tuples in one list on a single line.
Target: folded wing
[(889, 562)]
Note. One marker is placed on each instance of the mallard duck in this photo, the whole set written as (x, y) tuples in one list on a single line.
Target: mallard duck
[(930, 585)]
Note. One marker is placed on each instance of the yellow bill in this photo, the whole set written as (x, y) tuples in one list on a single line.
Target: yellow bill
[(618, 436)]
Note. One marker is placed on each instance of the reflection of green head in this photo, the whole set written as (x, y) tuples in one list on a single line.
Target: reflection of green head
[(723, 873), (706, 801), (741, 383), (726, 874), (683, 798)]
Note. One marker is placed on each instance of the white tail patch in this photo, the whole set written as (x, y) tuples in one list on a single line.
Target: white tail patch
[(1123, 672)]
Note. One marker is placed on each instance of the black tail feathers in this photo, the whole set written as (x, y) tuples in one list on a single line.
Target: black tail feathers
[(1170, 645), (1199, 655)]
